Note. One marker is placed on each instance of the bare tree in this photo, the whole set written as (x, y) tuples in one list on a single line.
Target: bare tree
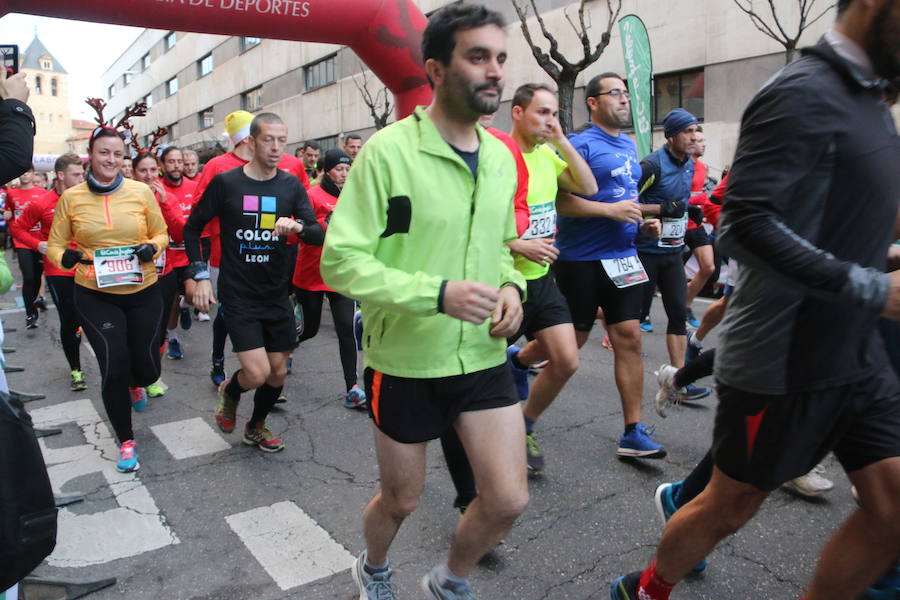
[(773, 27), (379, 103), (561, 69)]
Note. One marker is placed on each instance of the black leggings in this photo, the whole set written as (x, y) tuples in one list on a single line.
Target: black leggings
[(460, 468), (62, 289), (666, 271), (123, 330), (342, 309), (32, 267), (168, 287), (220, 334), (697, 369)]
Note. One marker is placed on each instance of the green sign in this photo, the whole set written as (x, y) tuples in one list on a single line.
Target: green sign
[(639, 72)]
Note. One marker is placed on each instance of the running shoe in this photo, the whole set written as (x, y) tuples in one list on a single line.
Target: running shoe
[(184, 316), (217, 372), (534, 455), (281, 399), (449, 591), (40, 304), (691, 319), (225, 410), (520, 376), (373, 586), (668, 395), (203, 317), (174, 350), (886, 588), (606, 343), (156, 389), (128, 457), (625, 587), (646, 326), (637, 444), (692, 392), (31, 321), (355, 398), (290, 364), (138, 399), (810, 485), (261, 437), (78, 333), (693, 349), (666, 507), (77, 384), (298, 318), (358, 330)]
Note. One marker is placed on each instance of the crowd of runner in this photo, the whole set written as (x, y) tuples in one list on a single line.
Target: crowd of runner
[(504, 250)]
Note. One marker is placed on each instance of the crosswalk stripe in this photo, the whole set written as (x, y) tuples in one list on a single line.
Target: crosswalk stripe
[(189, 438)]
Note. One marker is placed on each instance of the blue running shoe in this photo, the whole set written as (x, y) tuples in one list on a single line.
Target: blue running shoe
[(298, 318), (217, 373), (637, 444), (693, 349), (174, 350), (664, 499), (520, 376), (128, 457), (646, 326), (693, 392), (138, 399), (691, 319), (355, 398), (625, 587), (886, 588), (358, 329)]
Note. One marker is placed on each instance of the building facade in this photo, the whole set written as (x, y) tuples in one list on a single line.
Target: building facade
[(708, 57), (49, 99)]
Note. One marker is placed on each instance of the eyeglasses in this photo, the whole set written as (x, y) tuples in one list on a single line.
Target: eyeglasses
[(615, 94)]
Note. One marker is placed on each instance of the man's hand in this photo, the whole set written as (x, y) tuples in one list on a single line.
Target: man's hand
[(625, 211), (42, 247), (203, 296), (287, 226), (652, 228), (556, 135), (507, 316), (470, 301), (15, 87), (542, 251), (157, 187)]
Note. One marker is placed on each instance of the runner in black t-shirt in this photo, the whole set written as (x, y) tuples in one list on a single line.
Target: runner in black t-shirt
[(261, 210)]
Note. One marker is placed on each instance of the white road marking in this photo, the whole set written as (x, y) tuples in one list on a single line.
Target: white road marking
[(289, 544), (189, 438), (134, 527)]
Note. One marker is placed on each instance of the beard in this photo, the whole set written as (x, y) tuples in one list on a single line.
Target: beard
[(883, 42), (468, 94)]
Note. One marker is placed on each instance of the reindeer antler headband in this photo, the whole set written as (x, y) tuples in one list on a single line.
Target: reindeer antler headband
[(139, 109), (154, 142)]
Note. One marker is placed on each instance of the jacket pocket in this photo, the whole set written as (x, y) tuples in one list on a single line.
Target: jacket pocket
[(399, 215)]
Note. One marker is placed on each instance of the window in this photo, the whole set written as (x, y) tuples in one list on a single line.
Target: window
[(170, 40), (145, 62), (50, 116), (319, 73), (678, 90), (148, 139), (37, 85), (205, 118), (171, 86), (46, 64), (173, 133), (249, 42), (252, 100), (127, 76), (53, 87), (148, 100), (111, 90), (327, 143), (205, 65)]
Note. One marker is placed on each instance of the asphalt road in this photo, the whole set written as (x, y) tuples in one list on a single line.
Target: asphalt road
[(209, 518)]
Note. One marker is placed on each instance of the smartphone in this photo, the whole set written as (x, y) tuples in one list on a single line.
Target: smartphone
[(10, 55)]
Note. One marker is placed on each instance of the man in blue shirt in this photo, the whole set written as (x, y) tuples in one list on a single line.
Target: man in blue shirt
[(598, 265)]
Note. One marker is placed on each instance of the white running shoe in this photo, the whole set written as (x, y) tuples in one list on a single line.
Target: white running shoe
[(668, 394), (202, 317), (810, 485)]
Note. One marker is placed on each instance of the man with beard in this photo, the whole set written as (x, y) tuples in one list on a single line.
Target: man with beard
[(424, 248), (810, 213)]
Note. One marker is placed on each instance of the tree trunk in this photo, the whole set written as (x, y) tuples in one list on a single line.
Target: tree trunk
[(566, 85), (789, 52)]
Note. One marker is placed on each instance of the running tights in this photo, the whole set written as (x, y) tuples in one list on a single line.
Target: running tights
[(62, 289), (32, 266), (459, 467), (168, 288), (220, 334), (666, 271), (342, 309), (123, 330)]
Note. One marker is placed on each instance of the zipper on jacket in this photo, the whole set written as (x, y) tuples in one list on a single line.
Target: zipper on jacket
[(106, 208), (466, 257)]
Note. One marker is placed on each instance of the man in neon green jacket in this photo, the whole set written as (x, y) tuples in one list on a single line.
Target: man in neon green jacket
[(419, 237)]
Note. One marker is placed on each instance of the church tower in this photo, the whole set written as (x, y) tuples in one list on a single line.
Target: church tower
[(49, 100)]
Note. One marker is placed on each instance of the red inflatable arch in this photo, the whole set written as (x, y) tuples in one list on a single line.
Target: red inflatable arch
[(385, 34)]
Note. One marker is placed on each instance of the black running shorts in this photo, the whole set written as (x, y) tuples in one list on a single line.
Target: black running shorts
[(697, 237), (586, 287), (545, 307), (411, 411), (268, 325), (767, 440)]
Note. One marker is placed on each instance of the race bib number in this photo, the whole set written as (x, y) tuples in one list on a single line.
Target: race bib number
[(117, 266), (624, 272), (541, 222), (673, 232), (160, 263)]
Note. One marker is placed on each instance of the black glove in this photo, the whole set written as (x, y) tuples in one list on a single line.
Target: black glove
[(695, 214), (671, 209), (71, 257), (145, 252)]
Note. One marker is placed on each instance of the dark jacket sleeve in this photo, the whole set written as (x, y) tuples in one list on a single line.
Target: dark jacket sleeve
[(16, 139), (782, 167), (203, 212), (312, 233)]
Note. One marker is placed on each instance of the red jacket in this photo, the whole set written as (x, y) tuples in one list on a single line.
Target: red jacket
[(520, 200), (306, 272), (17, 200), (183, 197), (32, 226)]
